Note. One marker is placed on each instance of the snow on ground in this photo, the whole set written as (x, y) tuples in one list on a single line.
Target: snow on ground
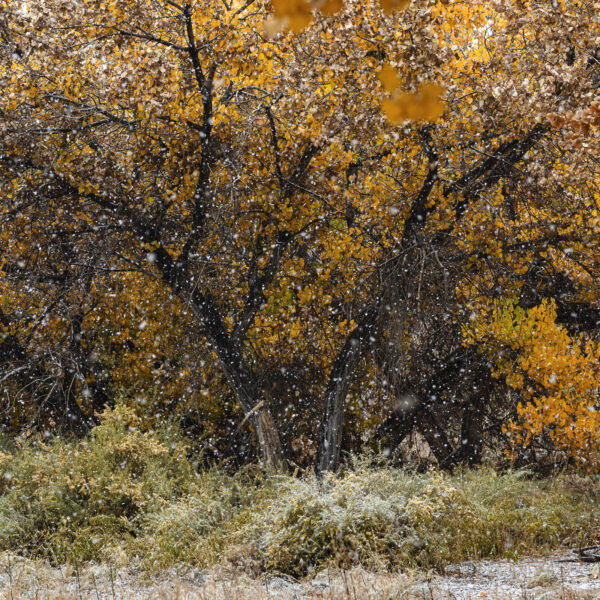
[(528, 579), (534, 578)]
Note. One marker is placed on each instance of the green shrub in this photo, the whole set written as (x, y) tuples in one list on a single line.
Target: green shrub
[(202, 527), (389, 518), (75, 499)]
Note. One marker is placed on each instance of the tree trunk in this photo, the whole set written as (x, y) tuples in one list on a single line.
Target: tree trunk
[(242, 381), (472, 431), (269, 440), (248, 393), (397, 426), (435, 436), (330, 433), (230, 355), (334, 401)]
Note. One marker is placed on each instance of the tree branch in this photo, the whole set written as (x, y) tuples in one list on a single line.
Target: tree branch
[(491, 170)]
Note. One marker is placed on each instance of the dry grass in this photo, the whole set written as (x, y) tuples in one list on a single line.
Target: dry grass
[(22, 579), (125, 497)]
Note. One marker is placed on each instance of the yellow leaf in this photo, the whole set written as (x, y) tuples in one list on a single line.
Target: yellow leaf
[(389, 6), (389, 78), (425, 104), (295, 14), (330, 7)]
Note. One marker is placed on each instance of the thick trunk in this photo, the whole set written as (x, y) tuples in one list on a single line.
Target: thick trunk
[(230, 355), (435, 437), (397, 426), (252, 401), (472, 432), (334, 401), (248, 393), (330, 434), (269, 440)]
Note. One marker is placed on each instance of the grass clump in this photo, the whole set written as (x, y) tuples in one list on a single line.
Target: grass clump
[(204, 526), (77, 500), (382, 517)]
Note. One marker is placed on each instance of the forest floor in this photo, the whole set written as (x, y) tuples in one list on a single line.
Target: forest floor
[(540, 578)]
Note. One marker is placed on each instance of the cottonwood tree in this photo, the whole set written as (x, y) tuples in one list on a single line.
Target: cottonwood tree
[(514, 276), (283, 191)]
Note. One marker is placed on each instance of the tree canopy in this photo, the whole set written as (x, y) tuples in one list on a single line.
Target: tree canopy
[(333, 223)]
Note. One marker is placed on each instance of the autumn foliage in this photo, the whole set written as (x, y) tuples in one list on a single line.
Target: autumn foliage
[(304, 227)]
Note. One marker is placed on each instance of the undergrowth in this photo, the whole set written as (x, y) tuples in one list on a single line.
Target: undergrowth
[(75, 501), (125, 495), (382, 517)]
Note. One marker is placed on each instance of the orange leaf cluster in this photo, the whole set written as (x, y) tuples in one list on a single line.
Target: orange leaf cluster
[(426, 104), (298, 14), (557, 375)]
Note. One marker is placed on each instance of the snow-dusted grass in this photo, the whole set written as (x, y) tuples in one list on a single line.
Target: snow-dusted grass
[(134, 498), (382, 517), (77, 500)]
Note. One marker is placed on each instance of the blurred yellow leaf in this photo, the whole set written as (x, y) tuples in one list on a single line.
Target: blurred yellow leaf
[(425, 104), (389, 6), (389, 78), (330, 7), (272, 26), (295, 14)]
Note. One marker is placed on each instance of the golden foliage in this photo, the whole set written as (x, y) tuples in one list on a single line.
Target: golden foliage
[(274, 181), (389, 6), (425, 104), (556, 373), (297, 14)]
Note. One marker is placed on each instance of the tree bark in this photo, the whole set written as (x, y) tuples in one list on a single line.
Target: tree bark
[(435, 436), (230, 355), (472, 431), (334, 401), (242, 381)]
